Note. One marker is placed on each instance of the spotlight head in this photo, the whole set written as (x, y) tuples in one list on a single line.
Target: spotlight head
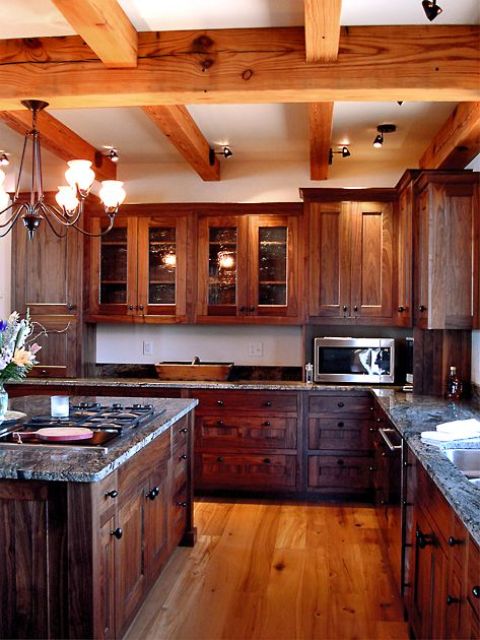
[(345, 152), (382, 129), (227, 152), (378, 142), (113, 155), (431, 8), (4, 161)]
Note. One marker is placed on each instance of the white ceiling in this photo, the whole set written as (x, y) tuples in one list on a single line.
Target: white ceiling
[(255, 132)]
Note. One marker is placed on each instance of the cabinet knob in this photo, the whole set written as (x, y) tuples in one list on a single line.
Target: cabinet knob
[(371, 469), (111, 494), (401, 309), (454, 541), (452, 600), (151, 495), (219, 458), (182, 504), (130, 307), (266, 461), (422, 539), (43, 372), (476, 591), (266, 423), (220, 403), (355, 308), (220, 423), (251, 309), (340, 424), (141, 307), (268, 403), (118, 533), (340, 404), (422, 308), (243, 309), (184, 430), (70, 306), (183, 456), (340, 462)]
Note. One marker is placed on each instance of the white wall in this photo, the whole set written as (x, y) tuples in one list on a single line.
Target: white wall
[(125, 344)]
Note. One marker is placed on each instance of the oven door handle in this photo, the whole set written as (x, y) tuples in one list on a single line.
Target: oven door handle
[(388, 442)]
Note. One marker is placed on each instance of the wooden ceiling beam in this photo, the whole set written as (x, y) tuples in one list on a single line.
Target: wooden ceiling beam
[(248, 66), (60, 140), (322, 39), (457, 142), (180, 128), (105, 27)]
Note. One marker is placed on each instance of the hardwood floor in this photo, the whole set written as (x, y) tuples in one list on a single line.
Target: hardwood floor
[(275, 571)]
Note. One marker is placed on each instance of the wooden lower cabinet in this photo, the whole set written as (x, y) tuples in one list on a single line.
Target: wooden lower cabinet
[(81, 557), (246, 441)]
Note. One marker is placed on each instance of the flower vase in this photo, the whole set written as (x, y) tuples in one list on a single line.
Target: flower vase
[(3, 403)]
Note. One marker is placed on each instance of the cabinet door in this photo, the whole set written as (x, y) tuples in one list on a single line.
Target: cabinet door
[(422, 225), (105, 609), (404, 256), (222, 260), (60, 339), (371, 267), (113, 265), (273, 266), (162, 256), (47, 272), (329, 286), (156, 522)]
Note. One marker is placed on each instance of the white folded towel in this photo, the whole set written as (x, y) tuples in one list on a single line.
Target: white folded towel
[(437, 437), (471, 425)]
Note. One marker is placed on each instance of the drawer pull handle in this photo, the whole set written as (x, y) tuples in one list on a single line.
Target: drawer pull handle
[(266, 423), (422, 308), (184, 430), (220, 423), (340, 462), (118, 533), (476, 591), (151, 495), (220, 403), (423, 540), (268, 403), (340, 404), (267, 461), (111, 494), (183, 456), (182, 504), (454, 541), (340, 424), (220, 459), (452, 600)]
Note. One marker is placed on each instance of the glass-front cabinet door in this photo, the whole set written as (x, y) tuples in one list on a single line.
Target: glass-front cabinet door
[(162, 255), (113, 268)]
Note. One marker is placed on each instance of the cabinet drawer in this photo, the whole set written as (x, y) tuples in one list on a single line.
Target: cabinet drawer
[(178, 517), (138, 467), (247, 471), (432, 501), (338, 433), (180, 432), (473, 580), (179, 469), (106, 496), (340, 404), (344, 473), (251, 401), (246, 432)]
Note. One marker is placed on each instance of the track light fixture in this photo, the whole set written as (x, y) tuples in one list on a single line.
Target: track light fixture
[(431, 8), (225, 151), (4, 161), (344, 152), (382, 129)]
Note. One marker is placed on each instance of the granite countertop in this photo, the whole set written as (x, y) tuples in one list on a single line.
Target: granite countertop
[(82, 465), (414, 414)]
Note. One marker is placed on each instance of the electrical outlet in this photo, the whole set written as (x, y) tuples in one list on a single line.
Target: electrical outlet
[(147, 348), (255, 349)]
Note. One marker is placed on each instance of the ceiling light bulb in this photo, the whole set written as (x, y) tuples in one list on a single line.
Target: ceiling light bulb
[(79, 174), (66, 198), (226, 260), (378, 142), (170, 260), (112, 193), (431, 8)]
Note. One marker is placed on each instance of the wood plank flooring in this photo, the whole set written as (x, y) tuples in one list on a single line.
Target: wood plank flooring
[(262, 571)]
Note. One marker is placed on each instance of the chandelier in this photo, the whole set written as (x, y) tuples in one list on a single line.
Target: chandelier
[(31, 210)]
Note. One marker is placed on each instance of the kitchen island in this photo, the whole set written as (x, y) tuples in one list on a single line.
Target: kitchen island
[(85, 533)]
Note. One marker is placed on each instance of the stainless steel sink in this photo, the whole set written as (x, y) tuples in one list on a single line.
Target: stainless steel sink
[(467, 460)]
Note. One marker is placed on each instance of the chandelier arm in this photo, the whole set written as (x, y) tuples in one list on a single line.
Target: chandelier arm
[(11, 222), (111, 217), (50, 224), (61, 215), (9, 206)]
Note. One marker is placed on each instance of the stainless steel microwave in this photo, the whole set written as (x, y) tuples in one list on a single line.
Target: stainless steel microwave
[(368, 360)]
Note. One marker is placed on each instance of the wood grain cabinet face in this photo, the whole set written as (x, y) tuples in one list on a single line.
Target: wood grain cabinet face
[(351, 262), (404, 253), (248, 268), (444, 264), (138, 270)]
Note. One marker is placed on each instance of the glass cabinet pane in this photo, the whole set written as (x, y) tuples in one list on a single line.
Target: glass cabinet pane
[(222, 266), (113, 267), (272, 266), (162, 265)]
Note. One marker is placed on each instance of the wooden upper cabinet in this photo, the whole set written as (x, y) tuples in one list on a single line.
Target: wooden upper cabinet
[(351, 262), (138, 270), (444, 264), (248, 268)]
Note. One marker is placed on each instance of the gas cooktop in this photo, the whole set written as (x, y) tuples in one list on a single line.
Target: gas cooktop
[(107, 422)]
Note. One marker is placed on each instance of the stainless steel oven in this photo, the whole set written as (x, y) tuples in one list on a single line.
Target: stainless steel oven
[(369, 360)]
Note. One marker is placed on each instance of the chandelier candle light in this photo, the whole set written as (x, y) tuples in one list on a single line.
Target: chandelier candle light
[(70, 198)]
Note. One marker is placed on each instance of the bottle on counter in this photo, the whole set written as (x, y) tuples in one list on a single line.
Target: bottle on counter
[(309, 373), (454, 385)]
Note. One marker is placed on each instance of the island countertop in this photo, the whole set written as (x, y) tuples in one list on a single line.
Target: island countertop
[(71, 464)]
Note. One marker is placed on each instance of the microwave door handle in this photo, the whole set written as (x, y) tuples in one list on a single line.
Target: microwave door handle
[(388, 442)]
